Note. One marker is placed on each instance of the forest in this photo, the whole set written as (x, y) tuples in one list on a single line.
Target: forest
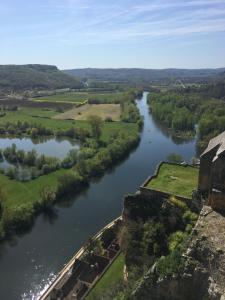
[(186, 110)]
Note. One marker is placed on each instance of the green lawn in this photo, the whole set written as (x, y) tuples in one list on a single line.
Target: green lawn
[(175, 179), (112, 276)]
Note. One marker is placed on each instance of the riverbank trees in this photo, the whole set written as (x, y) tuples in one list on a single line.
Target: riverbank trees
[(182, 109)]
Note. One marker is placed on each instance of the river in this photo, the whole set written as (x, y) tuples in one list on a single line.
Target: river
[(30, 261)]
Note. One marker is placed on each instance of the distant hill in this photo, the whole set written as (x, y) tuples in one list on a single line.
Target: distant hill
[(147, 75), (18, 77)]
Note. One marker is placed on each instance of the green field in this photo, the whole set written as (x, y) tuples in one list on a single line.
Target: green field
[(23, 194), (112, 277), (76, 97), (81, 97), (112, 111), (27, 114), (107, 97), (175, 179)]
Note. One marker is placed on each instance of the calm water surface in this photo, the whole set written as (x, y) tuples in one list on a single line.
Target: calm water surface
[(29, 262), (49, 147)]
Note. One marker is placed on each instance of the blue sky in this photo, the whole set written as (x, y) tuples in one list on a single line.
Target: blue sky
[(112, 33)]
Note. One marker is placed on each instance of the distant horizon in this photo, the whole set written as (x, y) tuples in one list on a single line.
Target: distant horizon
[(114, 68), (156, 34)]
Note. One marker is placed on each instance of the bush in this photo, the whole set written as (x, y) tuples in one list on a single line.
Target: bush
[(108, 119), (183, 206), (69, 182), (175, 239), (11, 172), (170, 264), (48, 196), (190, 217), (45, 169)]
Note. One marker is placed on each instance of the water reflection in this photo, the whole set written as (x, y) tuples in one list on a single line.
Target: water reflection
[(56, 147)]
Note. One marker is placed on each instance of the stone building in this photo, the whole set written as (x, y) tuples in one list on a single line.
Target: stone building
[(212, 172)]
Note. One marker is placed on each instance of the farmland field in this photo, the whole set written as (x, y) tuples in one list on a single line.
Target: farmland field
[(82, 97), (83, 112), (70, 97)]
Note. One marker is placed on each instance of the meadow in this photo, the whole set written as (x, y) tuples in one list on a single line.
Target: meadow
[(104, 111)]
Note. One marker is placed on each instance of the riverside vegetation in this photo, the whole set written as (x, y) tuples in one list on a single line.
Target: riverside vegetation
[(35, 182), (182, 109)]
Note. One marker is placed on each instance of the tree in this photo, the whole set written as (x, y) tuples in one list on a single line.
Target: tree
[(48, 195), (96, 124)]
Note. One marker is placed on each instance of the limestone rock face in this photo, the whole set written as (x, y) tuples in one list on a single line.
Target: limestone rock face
[(203, 276)]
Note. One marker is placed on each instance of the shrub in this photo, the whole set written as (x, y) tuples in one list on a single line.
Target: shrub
[(11, 172), (69, 182), (48, 196), (170, 264), (108, 119), (175, 239), (190, 217), (183, 206)]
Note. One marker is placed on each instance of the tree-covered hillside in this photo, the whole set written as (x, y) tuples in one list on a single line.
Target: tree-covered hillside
[(18, 77), (147, 75)]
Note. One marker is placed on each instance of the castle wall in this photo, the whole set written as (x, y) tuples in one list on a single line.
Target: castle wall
[(218, 173), (217, 200), (204, 180)]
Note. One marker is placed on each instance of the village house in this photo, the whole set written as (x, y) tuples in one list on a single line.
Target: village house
[(212, 172)]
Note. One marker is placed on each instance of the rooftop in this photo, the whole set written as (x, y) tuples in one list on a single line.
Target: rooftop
[(174, 179), (219, 142)]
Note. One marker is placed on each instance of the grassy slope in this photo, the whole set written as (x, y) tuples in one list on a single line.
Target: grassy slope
[(176, 179), (113, 276)]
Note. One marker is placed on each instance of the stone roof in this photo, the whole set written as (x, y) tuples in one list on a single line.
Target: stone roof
[(217, 142)]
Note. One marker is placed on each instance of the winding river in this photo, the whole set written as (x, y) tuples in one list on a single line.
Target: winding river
[(30, 261)]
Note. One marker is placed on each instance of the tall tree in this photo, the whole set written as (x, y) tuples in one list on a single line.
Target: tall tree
[(96, 126)]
